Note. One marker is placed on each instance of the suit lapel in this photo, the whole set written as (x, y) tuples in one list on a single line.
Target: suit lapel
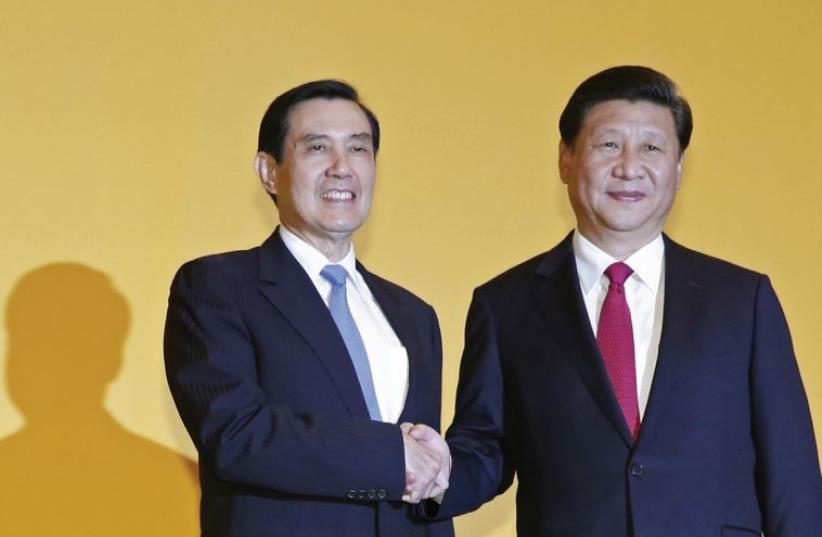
[(684, 308), (559, 299), (404, 329), (289, 289)]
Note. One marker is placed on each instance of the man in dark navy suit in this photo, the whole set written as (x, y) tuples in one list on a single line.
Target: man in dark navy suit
[(292, 365), (635, 387)]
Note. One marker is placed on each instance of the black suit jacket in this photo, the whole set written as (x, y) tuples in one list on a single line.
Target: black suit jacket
[(264, 384), (726, 446)]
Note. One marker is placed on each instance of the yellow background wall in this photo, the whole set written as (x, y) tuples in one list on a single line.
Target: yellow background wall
[(127, 133)]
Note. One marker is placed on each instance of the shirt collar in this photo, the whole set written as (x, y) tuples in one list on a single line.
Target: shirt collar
[(591, 262), (312, 260)]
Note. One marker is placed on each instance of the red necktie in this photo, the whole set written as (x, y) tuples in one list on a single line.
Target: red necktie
[(616, 343)]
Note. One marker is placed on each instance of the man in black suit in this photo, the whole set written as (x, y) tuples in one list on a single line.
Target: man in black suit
[(291, 365), (635, 387)]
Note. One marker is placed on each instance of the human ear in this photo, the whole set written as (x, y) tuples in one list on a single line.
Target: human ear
[(266, 169), (679, 171), (565, 157)]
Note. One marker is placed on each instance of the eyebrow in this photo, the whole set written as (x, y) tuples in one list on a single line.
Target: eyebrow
[(644, 130), (311, 137)]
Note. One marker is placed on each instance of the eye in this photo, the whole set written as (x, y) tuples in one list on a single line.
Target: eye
[(318, 148), (654, 149), (360, 148), (609, 145)]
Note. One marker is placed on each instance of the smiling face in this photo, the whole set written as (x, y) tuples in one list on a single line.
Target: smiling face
[(325, 181), (622, 174)]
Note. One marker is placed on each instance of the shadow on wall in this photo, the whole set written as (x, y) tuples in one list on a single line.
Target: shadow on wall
[(73, 470)]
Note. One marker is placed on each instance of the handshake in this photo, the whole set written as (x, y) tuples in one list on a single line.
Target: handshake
[(427, 463)]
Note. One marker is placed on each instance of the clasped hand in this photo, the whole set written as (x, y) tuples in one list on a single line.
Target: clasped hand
[(427, 462)]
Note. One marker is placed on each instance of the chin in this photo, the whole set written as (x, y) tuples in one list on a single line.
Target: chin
[(343, 227), (626, 222)]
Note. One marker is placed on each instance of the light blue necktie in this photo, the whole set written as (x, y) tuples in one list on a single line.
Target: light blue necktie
[(338, 305)]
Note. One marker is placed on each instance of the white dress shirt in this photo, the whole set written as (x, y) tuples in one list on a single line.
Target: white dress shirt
[(644, 291), (386, 355)]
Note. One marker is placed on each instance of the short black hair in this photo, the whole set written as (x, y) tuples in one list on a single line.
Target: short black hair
[(631, 83), (274, 125)]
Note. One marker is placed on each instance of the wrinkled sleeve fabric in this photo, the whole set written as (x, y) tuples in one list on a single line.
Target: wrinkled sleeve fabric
[(481, 463), (787, 469), (211, 365)]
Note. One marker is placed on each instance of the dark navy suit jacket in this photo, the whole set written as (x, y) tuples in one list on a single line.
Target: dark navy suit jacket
[(726, 446), (265, 387)]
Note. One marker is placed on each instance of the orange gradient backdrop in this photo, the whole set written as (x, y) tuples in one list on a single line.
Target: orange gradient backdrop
[(128, 133)]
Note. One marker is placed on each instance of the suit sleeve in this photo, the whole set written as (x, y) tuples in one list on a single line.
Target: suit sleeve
[(481, 462), (440, 527), (211, 369), (787, 469)]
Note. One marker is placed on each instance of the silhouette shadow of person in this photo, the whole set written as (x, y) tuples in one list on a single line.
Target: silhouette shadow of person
[(72, 470)]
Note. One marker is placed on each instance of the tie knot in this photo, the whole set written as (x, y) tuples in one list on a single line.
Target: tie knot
[(618, 272), (335, 274)]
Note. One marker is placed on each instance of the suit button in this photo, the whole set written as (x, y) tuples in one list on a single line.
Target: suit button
[(372, 495), (381, 494), (351, 494), (636, 469), (363, 495)]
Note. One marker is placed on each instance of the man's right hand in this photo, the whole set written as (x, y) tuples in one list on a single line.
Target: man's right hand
[(427, 465)]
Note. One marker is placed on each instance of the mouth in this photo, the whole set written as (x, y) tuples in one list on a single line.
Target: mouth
[(338, 195), (627, 195)]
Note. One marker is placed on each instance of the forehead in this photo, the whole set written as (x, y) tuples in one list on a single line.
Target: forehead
[(331, 117), (621, 114)]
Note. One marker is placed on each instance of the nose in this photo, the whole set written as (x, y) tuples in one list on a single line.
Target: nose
[(340, 167), (629, 166)]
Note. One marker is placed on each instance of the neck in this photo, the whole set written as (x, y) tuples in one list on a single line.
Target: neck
[(618, 245), (334, 248)]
